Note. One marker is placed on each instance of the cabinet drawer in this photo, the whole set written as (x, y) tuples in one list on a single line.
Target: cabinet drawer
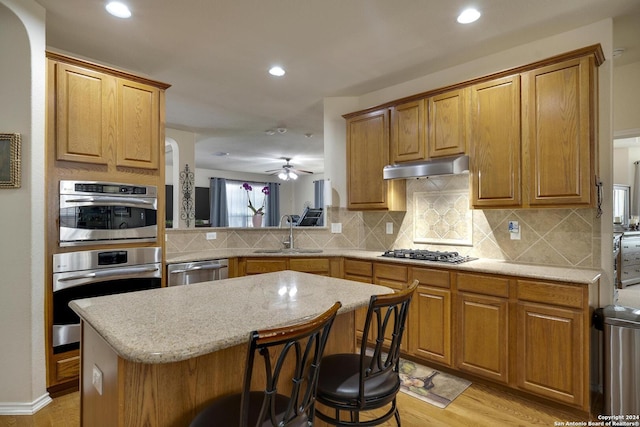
[(486, 285), (552, 293), (431, 277), (358, 268), (310, 265), (267, 265), (68, 368), (396, 273)]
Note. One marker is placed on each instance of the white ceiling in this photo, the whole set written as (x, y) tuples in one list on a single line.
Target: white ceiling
[(216, 53)]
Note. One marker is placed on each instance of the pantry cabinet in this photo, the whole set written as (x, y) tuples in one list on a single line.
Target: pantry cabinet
[(367, 155), (105, 117)]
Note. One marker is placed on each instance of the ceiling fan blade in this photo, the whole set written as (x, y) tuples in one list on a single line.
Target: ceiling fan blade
[(301, 171)]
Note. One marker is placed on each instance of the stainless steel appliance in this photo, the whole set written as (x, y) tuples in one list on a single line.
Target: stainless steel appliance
[(622, 361), (105, 212), (86, 274), (426, 255), (629, 268), (198, 271)]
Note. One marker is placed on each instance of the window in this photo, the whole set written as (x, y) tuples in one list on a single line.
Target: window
[(238, 202)]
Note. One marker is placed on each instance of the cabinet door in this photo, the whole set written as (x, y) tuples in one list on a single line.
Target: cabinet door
[(310, 265), (494, 140), (138, 130), (408, 132), (482, 343), (447, 123), (558, 138), (264, 265), (367, 154), (396, 278), (430, 330), (85, 114), (551, 351)]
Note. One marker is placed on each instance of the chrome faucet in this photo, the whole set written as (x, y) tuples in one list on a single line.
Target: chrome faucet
[(288, 243)]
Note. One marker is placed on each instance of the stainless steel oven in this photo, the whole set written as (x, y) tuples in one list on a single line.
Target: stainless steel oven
[(86, 274), (106, 213)]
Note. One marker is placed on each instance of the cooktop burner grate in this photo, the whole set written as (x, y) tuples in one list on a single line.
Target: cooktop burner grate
[(426, 255)]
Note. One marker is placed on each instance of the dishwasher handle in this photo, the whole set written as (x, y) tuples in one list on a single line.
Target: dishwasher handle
[(213, 266)]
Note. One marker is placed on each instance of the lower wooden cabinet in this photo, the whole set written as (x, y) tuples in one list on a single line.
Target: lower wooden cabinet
[(553, 341), (550, 352), (482, 344), (322, 266), (429, 336), (359, 271)]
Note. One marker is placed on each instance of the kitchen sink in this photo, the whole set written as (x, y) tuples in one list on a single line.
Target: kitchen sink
[(288, 251)]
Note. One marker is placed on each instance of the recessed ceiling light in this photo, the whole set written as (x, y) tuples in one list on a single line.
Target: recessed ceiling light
[(118, 9), (277, 71), (468, 16)]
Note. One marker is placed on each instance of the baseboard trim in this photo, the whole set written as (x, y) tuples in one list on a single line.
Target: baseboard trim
[(17, 408)]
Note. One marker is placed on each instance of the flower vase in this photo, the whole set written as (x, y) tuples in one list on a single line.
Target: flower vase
[(257, 220)]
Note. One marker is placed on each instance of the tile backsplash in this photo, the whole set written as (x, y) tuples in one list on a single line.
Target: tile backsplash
[(437, 218)]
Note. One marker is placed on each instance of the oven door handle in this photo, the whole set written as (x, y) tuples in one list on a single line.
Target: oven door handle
[(63, 282), (116, 200)]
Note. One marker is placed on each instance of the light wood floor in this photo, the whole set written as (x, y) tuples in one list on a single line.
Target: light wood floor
[(479, 405)]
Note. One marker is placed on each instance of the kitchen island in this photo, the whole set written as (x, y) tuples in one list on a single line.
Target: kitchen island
[(157, 357)]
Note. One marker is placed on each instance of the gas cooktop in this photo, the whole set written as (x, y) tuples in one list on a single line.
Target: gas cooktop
[(425, 255)]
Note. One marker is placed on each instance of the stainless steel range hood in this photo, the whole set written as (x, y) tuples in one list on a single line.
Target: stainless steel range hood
[(444, 166)]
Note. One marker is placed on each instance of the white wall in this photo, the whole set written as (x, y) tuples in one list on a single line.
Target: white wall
[(22, 81), (626, 92)]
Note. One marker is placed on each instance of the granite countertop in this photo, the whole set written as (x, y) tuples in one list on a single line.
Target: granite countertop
[(583, 276), (181, 322)]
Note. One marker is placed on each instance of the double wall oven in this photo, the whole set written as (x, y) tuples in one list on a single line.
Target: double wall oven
[(109, 217)]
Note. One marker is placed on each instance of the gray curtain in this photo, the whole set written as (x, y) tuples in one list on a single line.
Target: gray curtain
[(318, 197), (273, 205), (218, 216)]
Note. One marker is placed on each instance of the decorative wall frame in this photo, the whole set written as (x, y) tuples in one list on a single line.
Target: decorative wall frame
[(187, 210), (10, 158)]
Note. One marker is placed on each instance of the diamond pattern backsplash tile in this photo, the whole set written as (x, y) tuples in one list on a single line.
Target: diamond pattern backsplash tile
[(438, 217), (442, 217)]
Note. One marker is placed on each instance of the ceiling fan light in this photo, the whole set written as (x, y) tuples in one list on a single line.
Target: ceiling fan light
[(292, 175), (283, 176)]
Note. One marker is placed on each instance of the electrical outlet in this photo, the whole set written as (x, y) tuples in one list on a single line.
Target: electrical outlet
[(212, 235), (336, 227), (514, 230), (97, 379), (389, 228)]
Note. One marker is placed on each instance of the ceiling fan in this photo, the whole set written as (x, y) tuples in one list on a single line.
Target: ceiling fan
[(287, 172)]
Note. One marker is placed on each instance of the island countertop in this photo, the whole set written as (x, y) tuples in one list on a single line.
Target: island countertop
[(178, 323)]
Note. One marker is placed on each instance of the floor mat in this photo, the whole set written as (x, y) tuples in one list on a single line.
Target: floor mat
[(430, 385)]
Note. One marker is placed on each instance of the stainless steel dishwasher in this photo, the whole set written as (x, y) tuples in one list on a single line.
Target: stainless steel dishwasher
[(197, 271)]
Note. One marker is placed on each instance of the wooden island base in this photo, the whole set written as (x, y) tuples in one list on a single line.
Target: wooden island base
[(169, 394)]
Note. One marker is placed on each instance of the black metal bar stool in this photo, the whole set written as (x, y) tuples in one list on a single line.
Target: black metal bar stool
[(289, 396), (369, 380)]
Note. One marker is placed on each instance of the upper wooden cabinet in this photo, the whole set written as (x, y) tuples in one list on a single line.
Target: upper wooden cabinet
[(408, 140), (86, 124), (494, 134), (105, 117), (430, 127), (138, 125), (558, 106), (532, 137), (446, 124), (367, 155)]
